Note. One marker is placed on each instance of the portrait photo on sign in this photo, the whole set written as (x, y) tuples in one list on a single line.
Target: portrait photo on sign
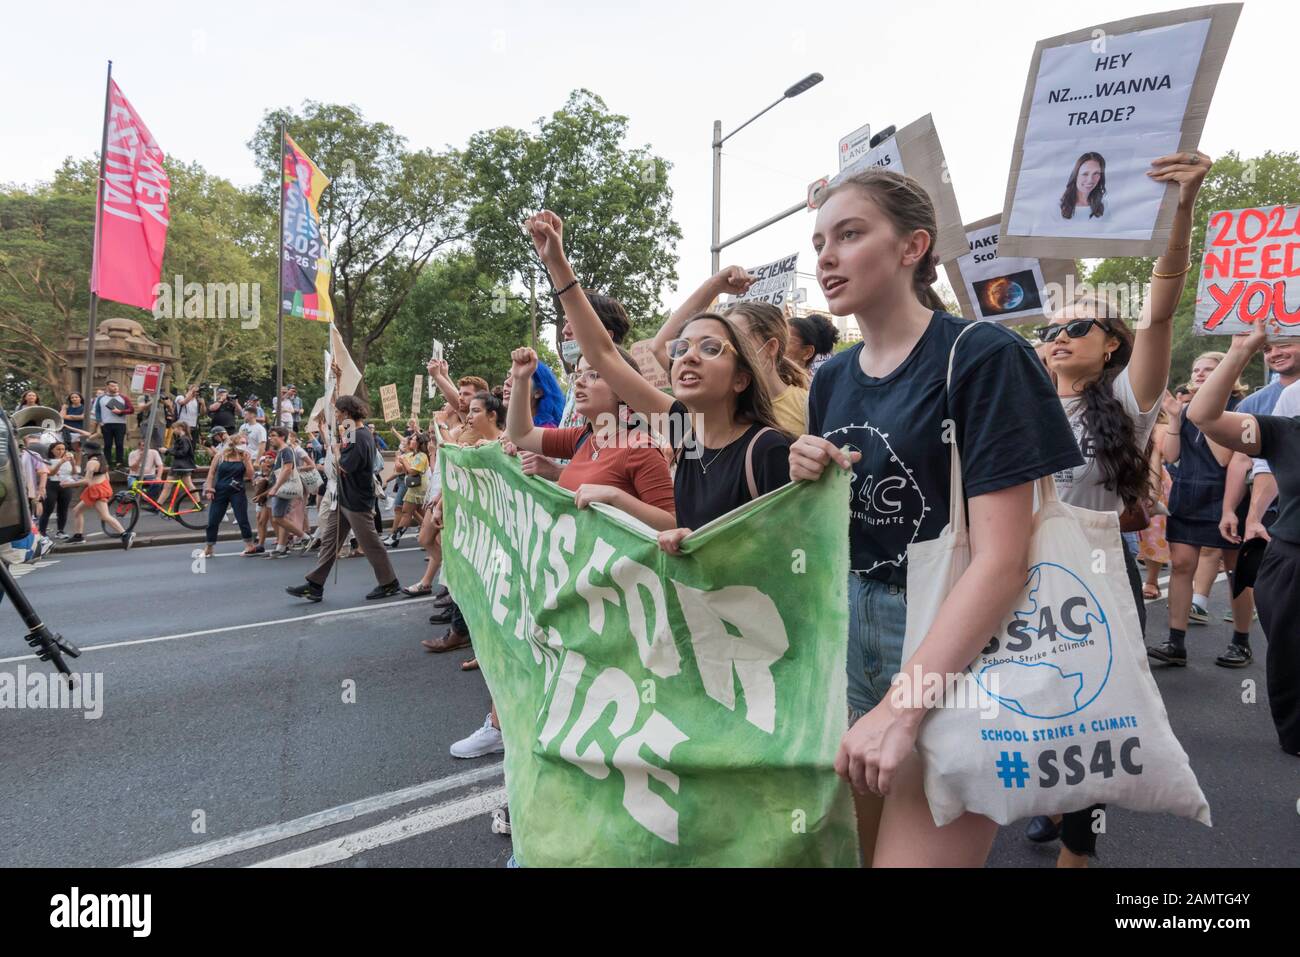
[(1101, 105)]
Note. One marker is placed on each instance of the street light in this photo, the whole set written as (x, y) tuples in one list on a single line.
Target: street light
[(716, 247)]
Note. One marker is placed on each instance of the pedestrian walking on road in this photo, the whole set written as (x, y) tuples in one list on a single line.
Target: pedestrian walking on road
[(354, 509)]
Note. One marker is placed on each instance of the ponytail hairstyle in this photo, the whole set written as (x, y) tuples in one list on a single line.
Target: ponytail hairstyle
[(764, 321), (92, 450), (908, 207), (753, 404), (817, 331), (1123, 463)]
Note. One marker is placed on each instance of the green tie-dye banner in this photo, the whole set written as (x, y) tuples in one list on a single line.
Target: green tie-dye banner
[(658, 709)]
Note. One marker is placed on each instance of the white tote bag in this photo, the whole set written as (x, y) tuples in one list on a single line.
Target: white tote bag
[(1059, 711)]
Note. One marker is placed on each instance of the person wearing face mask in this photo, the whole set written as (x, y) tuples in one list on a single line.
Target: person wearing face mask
[(812, 341), (885, 409)]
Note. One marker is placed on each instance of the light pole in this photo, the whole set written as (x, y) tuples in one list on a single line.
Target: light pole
[(716, 246)]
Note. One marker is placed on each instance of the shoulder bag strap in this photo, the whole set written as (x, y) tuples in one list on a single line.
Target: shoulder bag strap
[(749, 461)]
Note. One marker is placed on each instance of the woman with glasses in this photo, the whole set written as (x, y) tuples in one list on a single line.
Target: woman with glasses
[(1111, 382), (730, 449)]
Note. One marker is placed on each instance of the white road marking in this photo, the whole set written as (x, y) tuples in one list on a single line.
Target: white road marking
[(274, 833), (1164, 586), (390, 832), (399, 603)]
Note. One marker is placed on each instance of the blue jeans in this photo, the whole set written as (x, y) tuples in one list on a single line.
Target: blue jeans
[(877, 622)]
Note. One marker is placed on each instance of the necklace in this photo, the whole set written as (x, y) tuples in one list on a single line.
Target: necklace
[(705, 468), (597, 449)]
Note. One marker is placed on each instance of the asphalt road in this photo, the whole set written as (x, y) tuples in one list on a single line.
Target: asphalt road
[(226, 739)]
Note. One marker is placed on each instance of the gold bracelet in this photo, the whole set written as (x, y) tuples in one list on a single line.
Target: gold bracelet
[(1171, 275)]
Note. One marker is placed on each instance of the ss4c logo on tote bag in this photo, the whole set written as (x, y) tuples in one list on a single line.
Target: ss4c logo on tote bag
[(1054, 656)]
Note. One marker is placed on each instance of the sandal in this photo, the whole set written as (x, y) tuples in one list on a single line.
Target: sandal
[(469, 664), (1151, 592), (415, 591)]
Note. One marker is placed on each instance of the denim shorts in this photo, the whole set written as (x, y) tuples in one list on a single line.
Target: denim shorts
[(280, 506), (877, 623)]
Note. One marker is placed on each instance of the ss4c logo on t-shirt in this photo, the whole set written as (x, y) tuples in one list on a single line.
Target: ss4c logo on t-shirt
[(1053, 656), (885, 497)]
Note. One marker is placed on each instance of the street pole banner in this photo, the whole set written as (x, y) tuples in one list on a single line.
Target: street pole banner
[(304, 261), (1011, 290), (134, 207), (915, 151), (1100, 105), (1251, 271), (773, 282), (658, 710), (392, 409)]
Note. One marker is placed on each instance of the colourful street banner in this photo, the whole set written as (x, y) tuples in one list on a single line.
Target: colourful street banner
[(131, 229), (304, 265), (658, 710)]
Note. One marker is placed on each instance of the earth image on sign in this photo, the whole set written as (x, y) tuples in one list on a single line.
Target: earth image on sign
[(1053, 656), (1003, 294)]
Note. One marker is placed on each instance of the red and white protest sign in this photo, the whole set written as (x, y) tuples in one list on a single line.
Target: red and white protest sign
[(1251, 271), (132, 225), (145, 378)]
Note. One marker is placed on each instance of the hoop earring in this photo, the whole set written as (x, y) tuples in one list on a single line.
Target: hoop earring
[(1108, 355)]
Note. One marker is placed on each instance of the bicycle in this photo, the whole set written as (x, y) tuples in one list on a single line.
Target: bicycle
[(178, 503)]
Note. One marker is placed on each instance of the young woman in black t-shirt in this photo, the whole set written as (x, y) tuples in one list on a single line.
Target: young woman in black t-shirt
[(720, 422), (884, 408)]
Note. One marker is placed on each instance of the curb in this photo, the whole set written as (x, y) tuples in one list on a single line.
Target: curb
[(105, 544)]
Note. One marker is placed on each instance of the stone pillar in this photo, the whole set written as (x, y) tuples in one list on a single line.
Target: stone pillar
[(120, 344)]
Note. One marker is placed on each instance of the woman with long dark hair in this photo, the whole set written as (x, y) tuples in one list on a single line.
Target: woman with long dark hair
[(812, 341), (1110, 382), (1086, 187)]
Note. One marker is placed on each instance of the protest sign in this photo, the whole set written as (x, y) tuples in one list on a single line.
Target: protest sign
[(655, 374), (415, 395), (392, 409), (658, 709), (1012, 290), (915, 151), (1251, 271), (1100, 105), (774, 282)]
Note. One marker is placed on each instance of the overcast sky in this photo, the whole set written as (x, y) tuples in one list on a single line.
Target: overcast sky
[(201, 76)]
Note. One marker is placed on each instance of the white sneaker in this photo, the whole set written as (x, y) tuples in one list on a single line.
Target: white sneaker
[(486, 740)]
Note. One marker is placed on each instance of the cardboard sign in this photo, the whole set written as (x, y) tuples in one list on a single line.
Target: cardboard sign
[(1251, 271), (774, 282), (415, 395), (392, 410), (915, 151), (1011, 290), (644, 355), (854, 146), (1100, 105)]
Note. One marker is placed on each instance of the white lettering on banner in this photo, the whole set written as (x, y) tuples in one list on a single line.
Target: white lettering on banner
[(763, 641), (646, 807), (565, 690), (658, 651), (565, 534), (613, 686), (597, 595)]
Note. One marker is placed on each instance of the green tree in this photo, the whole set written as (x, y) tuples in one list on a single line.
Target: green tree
[(1233, 183), (616, 204), (453, 302), (386, 212)]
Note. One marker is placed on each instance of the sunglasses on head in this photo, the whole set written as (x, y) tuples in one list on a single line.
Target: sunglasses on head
[(710, 347), (1075, 328)]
